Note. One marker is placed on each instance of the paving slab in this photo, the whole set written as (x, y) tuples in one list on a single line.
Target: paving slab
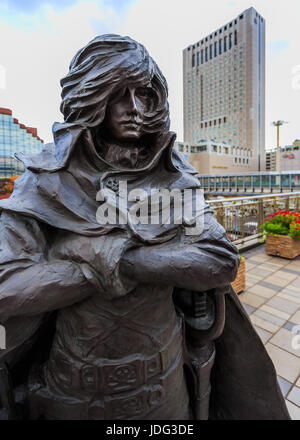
[(294, 396), (283, 304), (286, 364), (293, 410), (284, 340), (251, 299), (262, 291)]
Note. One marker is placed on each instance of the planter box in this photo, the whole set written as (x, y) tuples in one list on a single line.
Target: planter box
[(282, 246), (239, 283)]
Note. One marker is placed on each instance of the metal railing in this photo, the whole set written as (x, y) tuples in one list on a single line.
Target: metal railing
[(242, 216), (270, 182)]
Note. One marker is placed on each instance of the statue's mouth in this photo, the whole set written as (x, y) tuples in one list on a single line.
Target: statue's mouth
[(131, 124)]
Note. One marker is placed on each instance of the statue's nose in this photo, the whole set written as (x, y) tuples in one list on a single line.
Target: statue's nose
[(131, 101)]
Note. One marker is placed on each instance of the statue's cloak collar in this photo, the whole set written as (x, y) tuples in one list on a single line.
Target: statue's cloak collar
[(60, 184)]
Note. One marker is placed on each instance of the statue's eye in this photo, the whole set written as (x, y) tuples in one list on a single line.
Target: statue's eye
[(143, 92)]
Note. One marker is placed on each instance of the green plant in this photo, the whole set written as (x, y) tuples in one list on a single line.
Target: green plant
[(282, 223)]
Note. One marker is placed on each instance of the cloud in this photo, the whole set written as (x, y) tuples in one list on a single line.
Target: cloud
[(119, 4), (278, 46), (29, 6)]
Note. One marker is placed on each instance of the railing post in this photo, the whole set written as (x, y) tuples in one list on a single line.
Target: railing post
[(287, 203), (243, 219), (260, 184), (261, 214), (221, 215)]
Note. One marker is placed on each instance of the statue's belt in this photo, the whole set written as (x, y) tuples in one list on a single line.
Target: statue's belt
[(112, 378), (137, 404)]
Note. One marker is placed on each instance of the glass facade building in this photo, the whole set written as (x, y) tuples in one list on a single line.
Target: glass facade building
[(15, 137)]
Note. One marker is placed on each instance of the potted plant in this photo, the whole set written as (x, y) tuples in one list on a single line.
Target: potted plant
[(282, 234), (239, 283)]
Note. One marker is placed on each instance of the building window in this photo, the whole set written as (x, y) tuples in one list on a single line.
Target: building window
[(198, 60), (206, 54), (216, 48), (235, 38), (193, 60), (220, 47), (241, 17), (225, 43), (230, 41), (210, 52), (202, 56)]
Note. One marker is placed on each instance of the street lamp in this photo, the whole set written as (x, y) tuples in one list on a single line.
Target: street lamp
[(278, 124)]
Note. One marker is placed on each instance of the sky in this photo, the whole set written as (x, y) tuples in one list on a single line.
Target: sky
[(39, 38)]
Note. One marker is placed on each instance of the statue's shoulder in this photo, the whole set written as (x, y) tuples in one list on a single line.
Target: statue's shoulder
[(39, 161), (182, 164)]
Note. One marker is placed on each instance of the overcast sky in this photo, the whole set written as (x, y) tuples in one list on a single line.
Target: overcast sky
[(39, 38)]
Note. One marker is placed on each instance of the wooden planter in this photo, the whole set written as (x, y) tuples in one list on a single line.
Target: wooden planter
[(282, 246), (239, 283)]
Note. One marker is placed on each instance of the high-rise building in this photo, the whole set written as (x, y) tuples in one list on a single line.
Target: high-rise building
[(14, 138), (224, 92)]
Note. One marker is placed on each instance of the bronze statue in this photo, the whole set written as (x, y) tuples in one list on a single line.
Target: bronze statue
[(120, 320)]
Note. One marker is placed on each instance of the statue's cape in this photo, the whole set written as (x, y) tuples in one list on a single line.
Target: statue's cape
[(59, 189), (244, 380)]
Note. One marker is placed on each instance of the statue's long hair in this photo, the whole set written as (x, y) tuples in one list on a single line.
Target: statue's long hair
[(100, 69)]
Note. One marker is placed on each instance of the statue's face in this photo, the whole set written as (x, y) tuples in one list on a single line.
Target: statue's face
[(125, 113)]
